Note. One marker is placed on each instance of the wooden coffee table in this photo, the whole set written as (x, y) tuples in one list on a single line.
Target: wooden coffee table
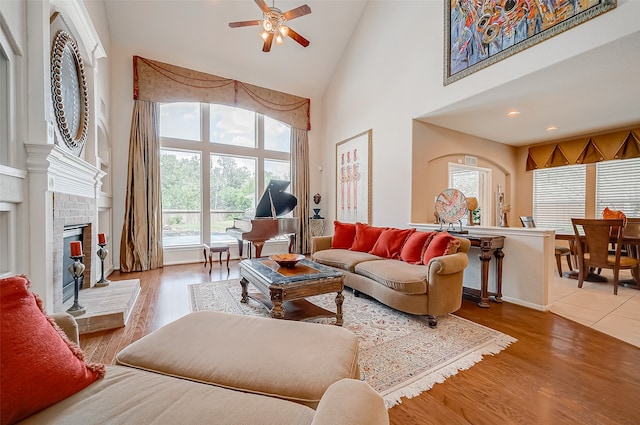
[(282, 284)]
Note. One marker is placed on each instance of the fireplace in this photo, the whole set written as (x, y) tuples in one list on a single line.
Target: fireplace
[(63, 193), (73, 220)]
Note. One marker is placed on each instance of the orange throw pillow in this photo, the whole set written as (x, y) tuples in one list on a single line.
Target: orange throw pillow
[(390, 242), (366, 237), (343, 235), (39, 365), (413, 250), (441, 244)]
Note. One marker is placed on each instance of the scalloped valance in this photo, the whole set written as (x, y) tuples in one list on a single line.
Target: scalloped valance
[(160, 82), (586, 150)]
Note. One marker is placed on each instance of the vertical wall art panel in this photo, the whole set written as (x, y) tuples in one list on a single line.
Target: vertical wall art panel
[(479, 33), (353, 179)]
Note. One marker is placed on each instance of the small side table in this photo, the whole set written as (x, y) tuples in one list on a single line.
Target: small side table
[(208, 252)]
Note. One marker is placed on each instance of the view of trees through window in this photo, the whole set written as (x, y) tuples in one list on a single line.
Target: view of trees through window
[(215, 162)]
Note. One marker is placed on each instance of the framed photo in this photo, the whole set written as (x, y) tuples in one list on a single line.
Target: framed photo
[(353, 179), (479, 33)]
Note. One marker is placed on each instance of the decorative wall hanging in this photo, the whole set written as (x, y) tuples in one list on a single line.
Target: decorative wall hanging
[(69, 92), (353, 179), (479, 33)]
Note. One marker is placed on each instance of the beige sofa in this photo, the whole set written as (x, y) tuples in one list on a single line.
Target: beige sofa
[(211, 392), (432, 290)]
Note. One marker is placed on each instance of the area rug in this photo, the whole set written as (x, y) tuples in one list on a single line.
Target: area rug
[(400, 356)]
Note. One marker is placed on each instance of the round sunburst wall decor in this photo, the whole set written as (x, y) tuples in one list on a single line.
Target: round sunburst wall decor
[(69, 92)]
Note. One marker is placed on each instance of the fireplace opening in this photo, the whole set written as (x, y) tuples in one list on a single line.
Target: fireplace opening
[(70, 234)]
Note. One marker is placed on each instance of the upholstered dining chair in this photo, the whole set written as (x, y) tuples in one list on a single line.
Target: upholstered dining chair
[(560, 251), (593, 251)]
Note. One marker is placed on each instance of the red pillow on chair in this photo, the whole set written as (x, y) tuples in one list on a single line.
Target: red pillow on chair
[(441, 244), (343, 235), (390, 242), (39, 365), (366, 237), (413, 250)]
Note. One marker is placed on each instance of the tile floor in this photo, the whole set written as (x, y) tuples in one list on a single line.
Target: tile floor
[(594, 305)]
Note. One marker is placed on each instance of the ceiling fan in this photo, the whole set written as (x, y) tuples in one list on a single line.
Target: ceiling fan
[(274, 25)]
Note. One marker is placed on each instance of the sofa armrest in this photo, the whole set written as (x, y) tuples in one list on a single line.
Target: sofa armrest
[(351, 402), (68, 324), (320, 243), (449, 264)]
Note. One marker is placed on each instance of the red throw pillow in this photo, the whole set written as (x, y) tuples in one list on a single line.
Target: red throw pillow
[(39, 365), (366, 237), (441, 244), (343, 235), (413, 250), (390, 242)]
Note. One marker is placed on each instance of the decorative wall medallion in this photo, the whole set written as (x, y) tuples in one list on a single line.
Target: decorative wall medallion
[(69, 92)]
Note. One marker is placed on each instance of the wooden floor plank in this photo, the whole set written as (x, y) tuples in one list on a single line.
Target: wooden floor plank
[(558, 372)]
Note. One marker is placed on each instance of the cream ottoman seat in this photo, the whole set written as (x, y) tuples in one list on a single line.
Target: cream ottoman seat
[(295, 361)]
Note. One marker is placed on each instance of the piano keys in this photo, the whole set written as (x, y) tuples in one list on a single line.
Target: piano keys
[(266, 223)]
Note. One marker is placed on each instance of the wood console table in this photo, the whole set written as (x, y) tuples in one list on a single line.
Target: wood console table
[(490, 246)]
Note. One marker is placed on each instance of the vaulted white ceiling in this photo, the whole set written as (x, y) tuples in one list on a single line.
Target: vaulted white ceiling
[(196, 34), (598, 90)]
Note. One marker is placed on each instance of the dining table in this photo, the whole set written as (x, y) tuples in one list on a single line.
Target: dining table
[(631, 241)]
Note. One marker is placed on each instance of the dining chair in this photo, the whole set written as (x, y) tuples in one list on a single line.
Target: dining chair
[(594, 252), (560, 251)]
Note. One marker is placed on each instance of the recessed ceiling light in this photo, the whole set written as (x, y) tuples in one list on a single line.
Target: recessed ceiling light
[(513, 114), (551, 128)]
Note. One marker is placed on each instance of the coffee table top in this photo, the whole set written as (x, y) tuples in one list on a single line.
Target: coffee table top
[(276, 275)]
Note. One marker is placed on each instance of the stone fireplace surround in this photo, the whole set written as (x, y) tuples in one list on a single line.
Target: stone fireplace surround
[(63, 190)]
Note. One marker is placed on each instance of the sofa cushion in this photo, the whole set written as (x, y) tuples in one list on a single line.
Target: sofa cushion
[(366, 237), (39, 365), (442, 244), (413, 249), (397, 275), (296, 361), (343, 235), (343, 259), (131, 396), (390, 242)]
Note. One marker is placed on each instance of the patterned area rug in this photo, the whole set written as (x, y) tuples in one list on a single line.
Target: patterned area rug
[(400, 356)]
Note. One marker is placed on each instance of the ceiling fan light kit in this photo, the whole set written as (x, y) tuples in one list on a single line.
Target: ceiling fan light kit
[(274, 24)]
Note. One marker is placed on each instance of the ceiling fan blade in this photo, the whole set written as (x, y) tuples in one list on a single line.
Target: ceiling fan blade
[(297, 12), (267, 43), (297, 37), (244, 24), (263, 6)]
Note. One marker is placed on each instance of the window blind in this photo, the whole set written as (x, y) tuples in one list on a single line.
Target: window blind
[(558, 195), (618, 186)]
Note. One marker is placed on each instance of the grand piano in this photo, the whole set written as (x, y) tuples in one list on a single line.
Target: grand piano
[(266, 222)]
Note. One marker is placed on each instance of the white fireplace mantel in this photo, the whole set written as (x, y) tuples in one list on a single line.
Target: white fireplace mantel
[(65, 172)]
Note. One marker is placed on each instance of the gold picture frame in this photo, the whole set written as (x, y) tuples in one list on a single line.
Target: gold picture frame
[(478, 34), (353, 179)]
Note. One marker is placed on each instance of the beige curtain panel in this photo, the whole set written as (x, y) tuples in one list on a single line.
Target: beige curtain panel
[(300, 186), (586, 150), (141, 242), (155, 81)]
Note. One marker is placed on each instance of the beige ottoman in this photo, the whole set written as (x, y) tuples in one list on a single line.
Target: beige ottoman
[(295, 361)]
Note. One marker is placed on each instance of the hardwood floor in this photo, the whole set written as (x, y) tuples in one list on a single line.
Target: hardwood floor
[(559, 372)]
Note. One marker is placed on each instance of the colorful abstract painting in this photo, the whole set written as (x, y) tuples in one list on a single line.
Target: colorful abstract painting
[(482, 32)]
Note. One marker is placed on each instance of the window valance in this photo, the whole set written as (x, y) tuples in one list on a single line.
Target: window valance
[(155, 81), (586, 150)]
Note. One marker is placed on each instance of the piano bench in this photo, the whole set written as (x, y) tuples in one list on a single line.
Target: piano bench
[(209, 250)]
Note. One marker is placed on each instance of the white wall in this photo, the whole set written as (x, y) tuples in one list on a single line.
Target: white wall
[(392, 72)]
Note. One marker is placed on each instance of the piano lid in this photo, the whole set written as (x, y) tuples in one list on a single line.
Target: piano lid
[(276, 197)]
